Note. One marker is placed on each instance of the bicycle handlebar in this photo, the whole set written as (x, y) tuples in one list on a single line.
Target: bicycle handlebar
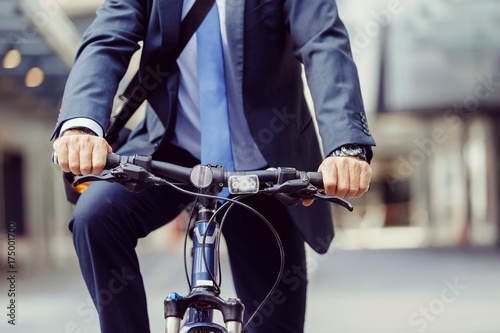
[(139, 171), (181, 173), (184, 174)]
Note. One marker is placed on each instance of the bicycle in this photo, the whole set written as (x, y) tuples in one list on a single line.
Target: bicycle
[(138, 172)]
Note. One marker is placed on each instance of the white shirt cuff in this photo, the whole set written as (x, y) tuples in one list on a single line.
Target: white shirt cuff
[(82, 122)]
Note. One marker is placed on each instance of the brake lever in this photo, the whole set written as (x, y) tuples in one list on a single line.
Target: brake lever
[(93, 178), (134, 178), (311, 192), (336, 200), (287, 192), (308, 191)]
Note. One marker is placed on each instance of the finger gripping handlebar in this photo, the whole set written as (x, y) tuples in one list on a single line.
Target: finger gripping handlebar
[(112, 160)]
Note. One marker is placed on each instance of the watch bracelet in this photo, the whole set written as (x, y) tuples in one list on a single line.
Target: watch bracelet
[(363, 156)]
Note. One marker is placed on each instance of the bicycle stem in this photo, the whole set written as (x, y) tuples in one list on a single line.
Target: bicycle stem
[(203, 297)]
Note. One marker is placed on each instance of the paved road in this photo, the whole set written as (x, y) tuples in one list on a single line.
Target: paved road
[(384, 291)]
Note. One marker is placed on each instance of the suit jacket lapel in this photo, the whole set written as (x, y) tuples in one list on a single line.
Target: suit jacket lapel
[(235, 14), (170, 17)]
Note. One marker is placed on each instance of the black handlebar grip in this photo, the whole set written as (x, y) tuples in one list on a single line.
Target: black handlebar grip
[(316, 179), (112, 161)]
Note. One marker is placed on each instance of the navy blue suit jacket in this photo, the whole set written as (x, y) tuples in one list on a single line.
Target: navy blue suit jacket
[(268, 39)]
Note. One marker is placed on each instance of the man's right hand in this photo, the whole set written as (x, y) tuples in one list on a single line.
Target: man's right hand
[(81, 153)]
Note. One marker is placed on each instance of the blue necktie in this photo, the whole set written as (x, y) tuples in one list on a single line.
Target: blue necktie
[(215, 136)]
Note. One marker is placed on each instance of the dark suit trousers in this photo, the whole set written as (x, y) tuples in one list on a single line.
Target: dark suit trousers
[(108, 220)]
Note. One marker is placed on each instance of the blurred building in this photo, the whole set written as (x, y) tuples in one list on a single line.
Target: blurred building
[(430, 78), (38, 41), (436, 101)]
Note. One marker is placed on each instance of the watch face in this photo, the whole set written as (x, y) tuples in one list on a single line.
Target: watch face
[(352, 150)]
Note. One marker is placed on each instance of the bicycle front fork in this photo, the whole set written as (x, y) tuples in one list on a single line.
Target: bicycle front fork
[(233, 327), (176, 306)]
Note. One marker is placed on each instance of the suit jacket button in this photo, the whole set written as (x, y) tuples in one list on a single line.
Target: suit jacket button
[(362, 116), (367, 131)]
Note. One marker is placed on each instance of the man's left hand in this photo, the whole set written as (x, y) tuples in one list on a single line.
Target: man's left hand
[(345, 177)]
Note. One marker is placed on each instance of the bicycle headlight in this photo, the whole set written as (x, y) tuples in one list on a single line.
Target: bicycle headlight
[(246, 184)]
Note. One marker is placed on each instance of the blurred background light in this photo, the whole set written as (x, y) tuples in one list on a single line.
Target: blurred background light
[(12, 59), (34, 77)]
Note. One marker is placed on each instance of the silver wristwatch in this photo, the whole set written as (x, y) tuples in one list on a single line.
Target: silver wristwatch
[(352, 150)]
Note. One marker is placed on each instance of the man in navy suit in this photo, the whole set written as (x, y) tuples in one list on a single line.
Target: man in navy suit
[(264, 43)]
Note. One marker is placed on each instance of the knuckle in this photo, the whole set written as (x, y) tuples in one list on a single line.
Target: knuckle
[(342, 160), (85, 165), (85, 170), (330, 187), (339, 160), (342, 190), (74, 165), (85, 139), (64, 166), (99, 164), (59, 143), (353, 190), (98, 167), (352, 194), (367, 168), (71, 141), (99, 140), (341, 194), (343, 187), (100, 143)]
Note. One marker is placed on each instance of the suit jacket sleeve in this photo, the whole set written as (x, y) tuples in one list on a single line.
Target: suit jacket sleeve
[(321, 43), (102, 61)]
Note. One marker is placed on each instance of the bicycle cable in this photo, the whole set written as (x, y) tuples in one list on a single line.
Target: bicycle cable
[(258, 214), (278, 240), (188, 227), (281, 270), (219, 234), (218, 238), (186, 271)]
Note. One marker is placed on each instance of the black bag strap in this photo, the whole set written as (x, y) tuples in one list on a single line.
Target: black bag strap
[(134, 96)]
